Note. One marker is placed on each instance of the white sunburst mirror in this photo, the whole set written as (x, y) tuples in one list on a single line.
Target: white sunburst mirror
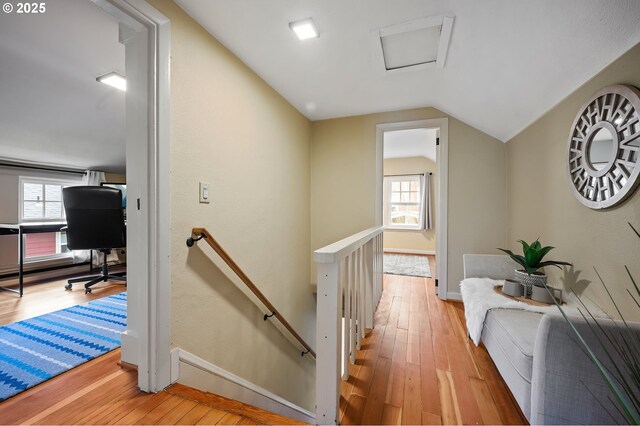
[(604, 147)]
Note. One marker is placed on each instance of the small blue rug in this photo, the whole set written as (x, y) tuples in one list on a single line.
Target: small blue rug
[(37, 349)]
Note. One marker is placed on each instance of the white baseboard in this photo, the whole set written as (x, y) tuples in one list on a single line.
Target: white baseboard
[(175, 364), (30, 277), (409, 251), (454, 295), (129, 344), (200, 374)]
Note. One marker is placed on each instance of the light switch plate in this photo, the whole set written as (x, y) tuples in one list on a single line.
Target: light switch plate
[(204, 192)]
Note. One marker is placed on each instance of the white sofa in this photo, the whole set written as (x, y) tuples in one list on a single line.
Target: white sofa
[(548, 374)]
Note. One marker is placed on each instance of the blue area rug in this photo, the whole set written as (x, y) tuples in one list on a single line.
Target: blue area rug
[(37, 349)]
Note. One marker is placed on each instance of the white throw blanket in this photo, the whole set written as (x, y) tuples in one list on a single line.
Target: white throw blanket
[(479, 296)]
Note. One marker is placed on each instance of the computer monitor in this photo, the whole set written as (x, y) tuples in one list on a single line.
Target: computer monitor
[(122, 187)]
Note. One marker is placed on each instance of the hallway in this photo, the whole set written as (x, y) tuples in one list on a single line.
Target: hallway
[(418, 367)]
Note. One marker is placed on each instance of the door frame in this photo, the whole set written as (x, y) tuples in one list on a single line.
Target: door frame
[(442, 174), (146, 34)]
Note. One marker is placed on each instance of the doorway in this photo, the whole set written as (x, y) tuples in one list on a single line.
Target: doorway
[(145, 32), (411, 196)]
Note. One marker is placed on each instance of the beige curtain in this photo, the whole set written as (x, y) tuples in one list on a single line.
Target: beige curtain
[(427, 222)]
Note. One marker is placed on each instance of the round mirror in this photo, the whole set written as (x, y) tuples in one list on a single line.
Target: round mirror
[(602, 149), (603, 160)]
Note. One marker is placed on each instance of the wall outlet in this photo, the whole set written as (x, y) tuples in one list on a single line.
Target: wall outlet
[(204, 192)]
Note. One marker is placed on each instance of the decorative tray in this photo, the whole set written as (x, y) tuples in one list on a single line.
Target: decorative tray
[(498, 289)]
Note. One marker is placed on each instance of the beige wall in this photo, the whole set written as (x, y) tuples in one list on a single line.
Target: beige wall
[(115, 177), (413, 240), (230, 129), (541, 203), (343, 186)]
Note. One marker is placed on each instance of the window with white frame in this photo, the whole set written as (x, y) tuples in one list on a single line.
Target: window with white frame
[(41, 201), (403, 202)]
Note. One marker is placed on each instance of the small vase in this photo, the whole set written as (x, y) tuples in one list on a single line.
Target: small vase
[(513, 288), (529, 281), (540, 294)]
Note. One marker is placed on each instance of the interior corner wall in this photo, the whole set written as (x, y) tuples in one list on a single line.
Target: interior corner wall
[(541, 204), (343, 184), (233, 131), (413, 240)]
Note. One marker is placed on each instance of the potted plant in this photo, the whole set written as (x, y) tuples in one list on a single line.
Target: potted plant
[(622, 378), (531, 261)]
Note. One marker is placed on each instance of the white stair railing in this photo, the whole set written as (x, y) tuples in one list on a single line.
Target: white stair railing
[(349, 289)]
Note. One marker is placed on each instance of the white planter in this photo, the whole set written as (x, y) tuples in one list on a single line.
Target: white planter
[(540, 294), (513, 288), (529, 281)]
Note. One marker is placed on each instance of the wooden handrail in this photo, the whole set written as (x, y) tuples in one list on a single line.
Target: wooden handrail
[(203, 233)]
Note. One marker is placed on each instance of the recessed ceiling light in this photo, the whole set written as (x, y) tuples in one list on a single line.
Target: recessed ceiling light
[(115, 80), (304, 29), (618, 121)]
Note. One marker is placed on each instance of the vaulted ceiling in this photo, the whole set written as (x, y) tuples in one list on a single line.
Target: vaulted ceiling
[(509, 61)]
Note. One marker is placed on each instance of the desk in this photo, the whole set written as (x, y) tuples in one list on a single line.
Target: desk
[(20, 229)]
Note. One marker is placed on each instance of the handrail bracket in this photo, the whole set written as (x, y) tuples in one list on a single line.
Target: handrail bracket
[(191, 240)]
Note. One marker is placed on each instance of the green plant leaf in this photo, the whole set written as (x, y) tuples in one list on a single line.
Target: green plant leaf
[(544, 251), (515, 257), (531, 256), (525, 246), (555, 263), (530, 270), (536, 245)]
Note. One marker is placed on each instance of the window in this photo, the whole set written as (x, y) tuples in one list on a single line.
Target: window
[(41, 201), (404, 202)]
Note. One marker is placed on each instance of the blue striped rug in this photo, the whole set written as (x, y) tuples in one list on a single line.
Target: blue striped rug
[(37, 349)]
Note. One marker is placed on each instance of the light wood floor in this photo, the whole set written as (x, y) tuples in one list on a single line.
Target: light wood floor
[(417, 365), (48, 296), (101, 392)]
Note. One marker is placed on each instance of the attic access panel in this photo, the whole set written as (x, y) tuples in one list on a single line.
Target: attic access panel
[(416, 44)]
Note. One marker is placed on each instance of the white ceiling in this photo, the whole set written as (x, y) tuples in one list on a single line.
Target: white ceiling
[(410, 143), (53, 110), (509, 61)]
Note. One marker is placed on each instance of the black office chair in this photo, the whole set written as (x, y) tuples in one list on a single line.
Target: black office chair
[(95, 221)]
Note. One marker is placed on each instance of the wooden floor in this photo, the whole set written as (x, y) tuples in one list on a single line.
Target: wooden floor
[(101, 392), (417, 365), (48, 296)]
